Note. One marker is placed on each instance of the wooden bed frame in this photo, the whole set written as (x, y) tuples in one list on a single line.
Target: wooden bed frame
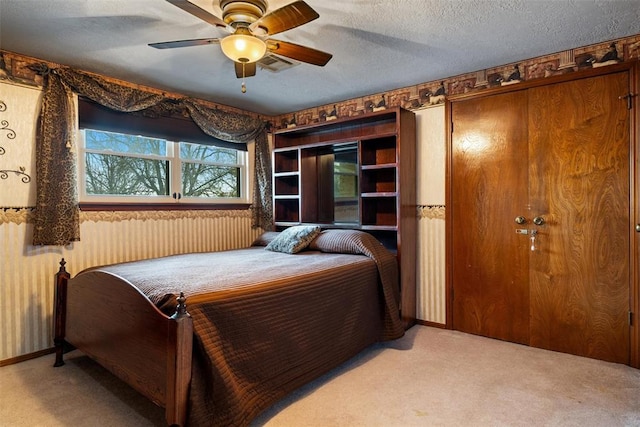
[(148, 350), (114, 323)]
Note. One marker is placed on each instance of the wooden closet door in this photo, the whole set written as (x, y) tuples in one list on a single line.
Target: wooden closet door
[(489, 173), (579, 183)]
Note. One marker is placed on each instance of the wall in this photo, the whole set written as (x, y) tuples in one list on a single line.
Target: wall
[(429, 93), (430, 255), (27, 272)]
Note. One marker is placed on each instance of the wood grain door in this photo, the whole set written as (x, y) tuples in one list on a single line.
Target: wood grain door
[(559, 153), (490, 262), (579, 184)]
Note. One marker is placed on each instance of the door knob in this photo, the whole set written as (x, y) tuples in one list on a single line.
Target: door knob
[(538, 220), (638, 228), (520, 220)]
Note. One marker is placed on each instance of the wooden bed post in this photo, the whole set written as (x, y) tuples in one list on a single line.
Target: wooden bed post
[(60, 311), (180, 347)]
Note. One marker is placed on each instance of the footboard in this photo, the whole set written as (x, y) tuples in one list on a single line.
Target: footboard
[(111, 321)]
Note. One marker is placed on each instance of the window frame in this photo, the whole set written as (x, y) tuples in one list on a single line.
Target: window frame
[(121, 202)]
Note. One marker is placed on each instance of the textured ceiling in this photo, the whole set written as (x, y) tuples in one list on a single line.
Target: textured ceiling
[(376, 45)]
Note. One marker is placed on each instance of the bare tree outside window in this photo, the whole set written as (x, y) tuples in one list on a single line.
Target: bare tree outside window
[(119, 174), (204, 173), (130, 176)]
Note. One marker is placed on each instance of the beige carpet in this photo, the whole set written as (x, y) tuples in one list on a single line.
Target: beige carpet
[(430, 377)]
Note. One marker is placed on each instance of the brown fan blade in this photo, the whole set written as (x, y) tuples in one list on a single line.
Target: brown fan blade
[(249, 69), (198, 12), (285, 18), (299, 53), (183, 43)]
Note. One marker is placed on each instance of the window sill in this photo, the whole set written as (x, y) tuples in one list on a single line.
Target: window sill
[(162, 206)]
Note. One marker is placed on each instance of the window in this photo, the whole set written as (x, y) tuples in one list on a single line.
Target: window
[(156, 158), (120, 167)]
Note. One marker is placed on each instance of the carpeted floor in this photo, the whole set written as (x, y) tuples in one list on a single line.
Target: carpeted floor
[(430, 377)]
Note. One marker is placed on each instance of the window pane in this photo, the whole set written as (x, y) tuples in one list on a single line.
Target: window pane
[(201, 180), (208, 154), (118, 142), (128, 176)]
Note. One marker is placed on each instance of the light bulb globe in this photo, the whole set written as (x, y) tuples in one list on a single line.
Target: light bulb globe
[(243, 48)]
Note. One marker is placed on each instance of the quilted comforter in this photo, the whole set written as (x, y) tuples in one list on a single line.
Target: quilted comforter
[(266, 323)]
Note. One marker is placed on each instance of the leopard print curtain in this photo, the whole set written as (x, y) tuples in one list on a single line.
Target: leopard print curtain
[(57, 216), (57, 213)]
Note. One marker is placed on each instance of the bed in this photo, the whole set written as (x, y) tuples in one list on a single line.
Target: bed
[(216, 338)]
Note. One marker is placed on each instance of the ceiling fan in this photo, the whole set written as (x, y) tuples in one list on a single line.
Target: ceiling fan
[(250, 27)]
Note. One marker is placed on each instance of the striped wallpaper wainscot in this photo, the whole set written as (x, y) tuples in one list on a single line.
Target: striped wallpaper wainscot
[(431, 266), (27, 274)]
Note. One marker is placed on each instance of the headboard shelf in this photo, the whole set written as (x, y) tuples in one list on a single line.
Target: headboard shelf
[(358, 173)]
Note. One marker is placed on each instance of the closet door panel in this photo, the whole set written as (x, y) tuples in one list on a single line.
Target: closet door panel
[(579, 184), (489, 183)]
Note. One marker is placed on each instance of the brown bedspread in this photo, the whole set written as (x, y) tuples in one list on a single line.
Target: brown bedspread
[(266, 323)]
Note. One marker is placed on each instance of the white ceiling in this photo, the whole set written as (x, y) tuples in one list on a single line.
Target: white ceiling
[(377, 45)]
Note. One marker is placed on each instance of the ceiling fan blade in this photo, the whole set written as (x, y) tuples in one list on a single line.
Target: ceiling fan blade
[(198, 12), (299, 53), (249, 69), (183, 43), (285, 18)]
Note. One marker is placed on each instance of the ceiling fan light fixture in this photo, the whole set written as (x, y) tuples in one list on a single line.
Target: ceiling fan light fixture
[(243, 47)]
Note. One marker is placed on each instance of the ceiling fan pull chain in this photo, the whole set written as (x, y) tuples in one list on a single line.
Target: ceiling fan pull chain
[(244, 87)]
